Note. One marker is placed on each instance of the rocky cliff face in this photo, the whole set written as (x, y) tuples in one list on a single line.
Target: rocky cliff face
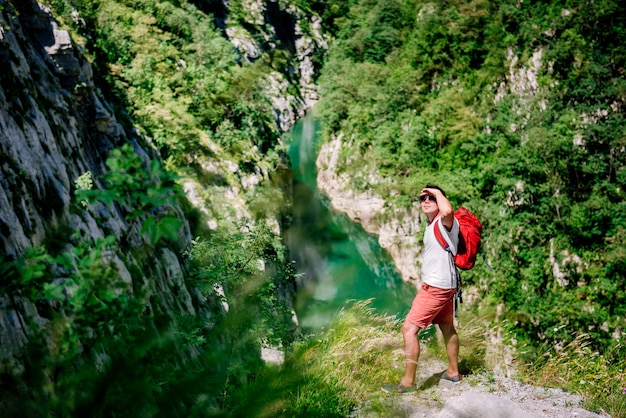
[(55, 125), (274, 30), (268, 25), (398, 230)]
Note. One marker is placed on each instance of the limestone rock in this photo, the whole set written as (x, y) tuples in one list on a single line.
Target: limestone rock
[(54, 126), (272, 26), (482, 405), (398, 230)]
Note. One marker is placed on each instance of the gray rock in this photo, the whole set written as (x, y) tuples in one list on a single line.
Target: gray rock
[(482, 405)]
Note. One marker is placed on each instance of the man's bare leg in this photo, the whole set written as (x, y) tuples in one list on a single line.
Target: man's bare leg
[(451, 340), (411, 352)]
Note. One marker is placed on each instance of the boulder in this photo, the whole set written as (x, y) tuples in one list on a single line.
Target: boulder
[(482, 405)]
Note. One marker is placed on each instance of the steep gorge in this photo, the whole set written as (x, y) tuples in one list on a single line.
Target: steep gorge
[(57, 126)]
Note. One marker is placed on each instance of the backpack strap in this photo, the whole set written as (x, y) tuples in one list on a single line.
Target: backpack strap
[(440, 237), (458, 296)]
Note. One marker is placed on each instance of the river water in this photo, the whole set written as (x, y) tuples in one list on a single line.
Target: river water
[(336, 259)]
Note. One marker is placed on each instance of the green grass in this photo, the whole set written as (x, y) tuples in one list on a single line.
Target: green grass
[(342, 369), (598, 377), (331, 373)]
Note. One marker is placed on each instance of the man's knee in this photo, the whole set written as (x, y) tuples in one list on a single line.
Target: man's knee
[(409, 329)]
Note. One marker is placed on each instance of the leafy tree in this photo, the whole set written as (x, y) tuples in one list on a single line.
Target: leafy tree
[(140, 191), (535, 153)]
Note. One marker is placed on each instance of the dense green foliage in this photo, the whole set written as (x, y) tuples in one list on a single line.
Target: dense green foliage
[(169, 66), (117, 348), (517, 110), (112, 349), (423, 91)]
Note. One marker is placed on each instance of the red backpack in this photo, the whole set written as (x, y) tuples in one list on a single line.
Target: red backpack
[(470, 229)]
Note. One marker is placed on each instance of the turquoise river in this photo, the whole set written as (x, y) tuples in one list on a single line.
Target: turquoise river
[(336, 259)]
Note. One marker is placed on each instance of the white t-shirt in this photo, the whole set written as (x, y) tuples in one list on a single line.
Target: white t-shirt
[(438, 268)]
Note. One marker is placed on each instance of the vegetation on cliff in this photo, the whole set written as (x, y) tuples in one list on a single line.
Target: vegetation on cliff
[(517, 110), (104, 337)]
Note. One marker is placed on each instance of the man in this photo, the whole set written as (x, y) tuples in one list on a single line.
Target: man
[(434, 303)]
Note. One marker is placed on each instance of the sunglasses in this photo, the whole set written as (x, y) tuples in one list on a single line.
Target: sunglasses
[(428, 197)]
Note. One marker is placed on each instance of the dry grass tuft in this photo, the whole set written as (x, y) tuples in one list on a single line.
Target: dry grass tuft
[(598, 377)]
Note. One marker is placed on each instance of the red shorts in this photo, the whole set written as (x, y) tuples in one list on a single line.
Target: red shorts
[(432, 305)]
